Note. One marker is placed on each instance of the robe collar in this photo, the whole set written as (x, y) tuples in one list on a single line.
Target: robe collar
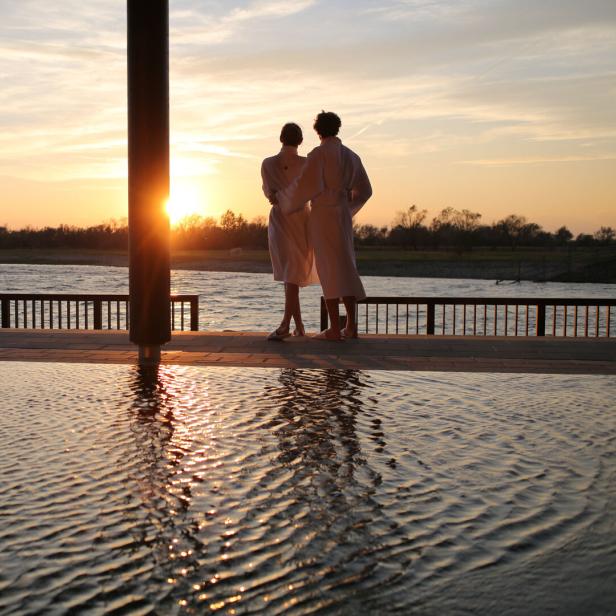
[(327, 141), (288, 150)]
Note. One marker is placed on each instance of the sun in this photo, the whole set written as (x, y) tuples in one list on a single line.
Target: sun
[(184, 200)]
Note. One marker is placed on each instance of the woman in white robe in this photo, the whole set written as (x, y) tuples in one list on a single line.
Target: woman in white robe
[(289, 246), (337, 185)]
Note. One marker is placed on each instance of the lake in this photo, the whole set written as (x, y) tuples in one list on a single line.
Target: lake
[(254, 302)]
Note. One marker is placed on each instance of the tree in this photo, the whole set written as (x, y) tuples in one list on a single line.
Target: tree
[(605, 235), (410, 219), (232, 222), (369, 235), (584, 239), (455, 228), (467, 221), (512, 228), (260, 221), (563, 235), (407, 227)]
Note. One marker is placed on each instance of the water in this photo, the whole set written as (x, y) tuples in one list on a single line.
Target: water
[(249, 302), (194, 490), (230, 491)]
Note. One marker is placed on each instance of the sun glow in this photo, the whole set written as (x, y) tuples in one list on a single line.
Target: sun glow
[(185, 200)]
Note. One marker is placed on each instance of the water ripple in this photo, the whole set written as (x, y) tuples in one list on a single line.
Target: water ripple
[(294, 491)]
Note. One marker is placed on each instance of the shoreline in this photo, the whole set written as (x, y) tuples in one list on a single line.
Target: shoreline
[(507, 266)]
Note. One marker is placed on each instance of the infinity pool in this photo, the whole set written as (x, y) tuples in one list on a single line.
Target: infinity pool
[(190, 490)]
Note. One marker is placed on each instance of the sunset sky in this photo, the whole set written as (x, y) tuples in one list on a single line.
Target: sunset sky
[(498, 106)]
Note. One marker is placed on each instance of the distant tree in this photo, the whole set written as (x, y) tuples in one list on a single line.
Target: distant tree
[(411, 218), (369, 235), (408, 228), (443, 219), (467, 221), (231, 222), (530, 233), (605, 235), (512, 228), (455, 228), (563, 236), (584, 239), (259, 221)]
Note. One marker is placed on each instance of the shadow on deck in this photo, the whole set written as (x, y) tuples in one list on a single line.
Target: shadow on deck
[(371, 352)]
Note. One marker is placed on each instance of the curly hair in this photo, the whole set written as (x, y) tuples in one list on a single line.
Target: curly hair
[(327, 124), (291, 134)]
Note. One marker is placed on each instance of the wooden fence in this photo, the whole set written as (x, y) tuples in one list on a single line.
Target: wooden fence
[(484, 316), (86, 311)]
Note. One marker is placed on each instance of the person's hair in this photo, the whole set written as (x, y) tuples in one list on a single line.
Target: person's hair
[(327, 124), (291, 134)]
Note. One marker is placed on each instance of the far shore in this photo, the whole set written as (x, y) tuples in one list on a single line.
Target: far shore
[(598, 266)]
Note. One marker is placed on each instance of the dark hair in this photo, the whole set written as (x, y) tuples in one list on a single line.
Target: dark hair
[(291, 134), (327, 124)]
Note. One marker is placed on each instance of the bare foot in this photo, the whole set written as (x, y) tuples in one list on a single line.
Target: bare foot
[(280, 334), (349, 332), (329, 335)]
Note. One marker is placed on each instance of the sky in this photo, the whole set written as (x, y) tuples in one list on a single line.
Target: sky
[(496, 106)]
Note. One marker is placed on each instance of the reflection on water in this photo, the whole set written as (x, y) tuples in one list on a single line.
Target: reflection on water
[(193, 490)]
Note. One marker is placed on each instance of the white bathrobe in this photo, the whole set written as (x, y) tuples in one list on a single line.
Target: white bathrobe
[(337, 185), (290, 249)]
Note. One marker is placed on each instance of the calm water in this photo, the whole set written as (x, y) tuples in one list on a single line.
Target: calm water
[(248, 302), (248, 491)]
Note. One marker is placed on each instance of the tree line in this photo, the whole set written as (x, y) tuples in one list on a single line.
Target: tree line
[(450, 229)]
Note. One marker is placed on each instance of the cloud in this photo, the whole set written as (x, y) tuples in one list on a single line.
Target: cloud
[(268, 9), (508, 162), (192, 25), (485, 83)]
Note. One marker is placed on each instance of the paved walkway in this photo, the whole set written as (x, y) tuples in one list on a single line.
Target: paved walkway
[(372, 352)]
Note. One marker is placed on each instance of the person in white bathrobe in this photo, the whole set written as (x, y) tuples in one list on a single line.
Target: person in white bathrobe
[(289, 246), (336, 184)]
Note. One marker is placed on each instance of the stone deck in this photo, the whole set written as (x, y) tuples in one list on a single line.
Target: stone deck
[(372, 352)]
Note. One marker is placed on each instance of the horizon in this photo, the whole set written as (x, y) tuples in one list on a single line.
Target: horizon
[(262, 219), (497, 107)]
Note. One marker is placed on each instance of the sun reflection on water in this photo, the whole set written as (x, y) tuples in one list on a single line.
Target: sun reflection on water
[(294, 491)]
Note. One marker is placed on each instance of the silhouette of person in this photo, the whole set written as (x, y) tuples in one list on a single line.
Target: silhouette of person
[(336, 184), (289, 246)]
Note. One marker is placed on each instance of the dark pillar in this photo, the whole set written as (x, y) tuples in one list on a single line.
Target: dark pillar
[(148, 174)]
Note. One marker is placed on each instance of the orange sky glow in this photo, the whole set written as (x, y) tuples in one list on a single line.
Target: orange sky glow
[(496, 106)]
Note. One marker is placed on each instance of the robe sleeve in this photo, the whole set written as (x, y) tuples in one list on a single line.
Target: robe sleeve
[(267, 189), (304, 188), (361, 190)]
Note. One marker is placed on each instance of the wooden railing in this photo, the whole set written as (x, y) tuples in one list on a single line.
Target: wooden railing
[(86, 311), (484, 316)]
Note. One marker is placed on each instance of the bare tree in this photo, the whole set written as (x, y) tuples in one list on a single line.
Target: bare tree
[(410, 219), (605, 235), (512, 227)]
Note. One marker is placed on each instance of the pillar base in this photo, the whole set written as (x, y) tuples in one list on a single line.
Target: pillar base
[(149, 355)]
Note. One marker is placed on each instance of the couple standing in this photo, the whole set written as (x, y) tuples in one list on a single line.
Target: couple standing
[(301, 236)]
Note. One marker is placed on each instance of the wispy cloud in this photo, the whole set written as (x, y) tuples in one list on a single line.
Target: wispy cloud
[(511, 83), (508, 162), (268, 9)]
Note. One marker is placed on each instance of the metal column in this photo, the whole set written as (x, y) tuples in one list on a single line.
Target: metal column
[(148, 175)]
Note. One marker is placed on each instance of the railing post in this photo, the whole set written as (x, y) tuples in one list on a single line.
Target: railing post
[(430, 322), (6, 313), (540, 319), (98, 314), (324, 322), (194, 314)]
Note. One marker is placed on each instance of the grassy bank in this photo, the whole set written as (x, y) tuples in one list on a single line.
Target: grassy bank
[(581, 265)]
